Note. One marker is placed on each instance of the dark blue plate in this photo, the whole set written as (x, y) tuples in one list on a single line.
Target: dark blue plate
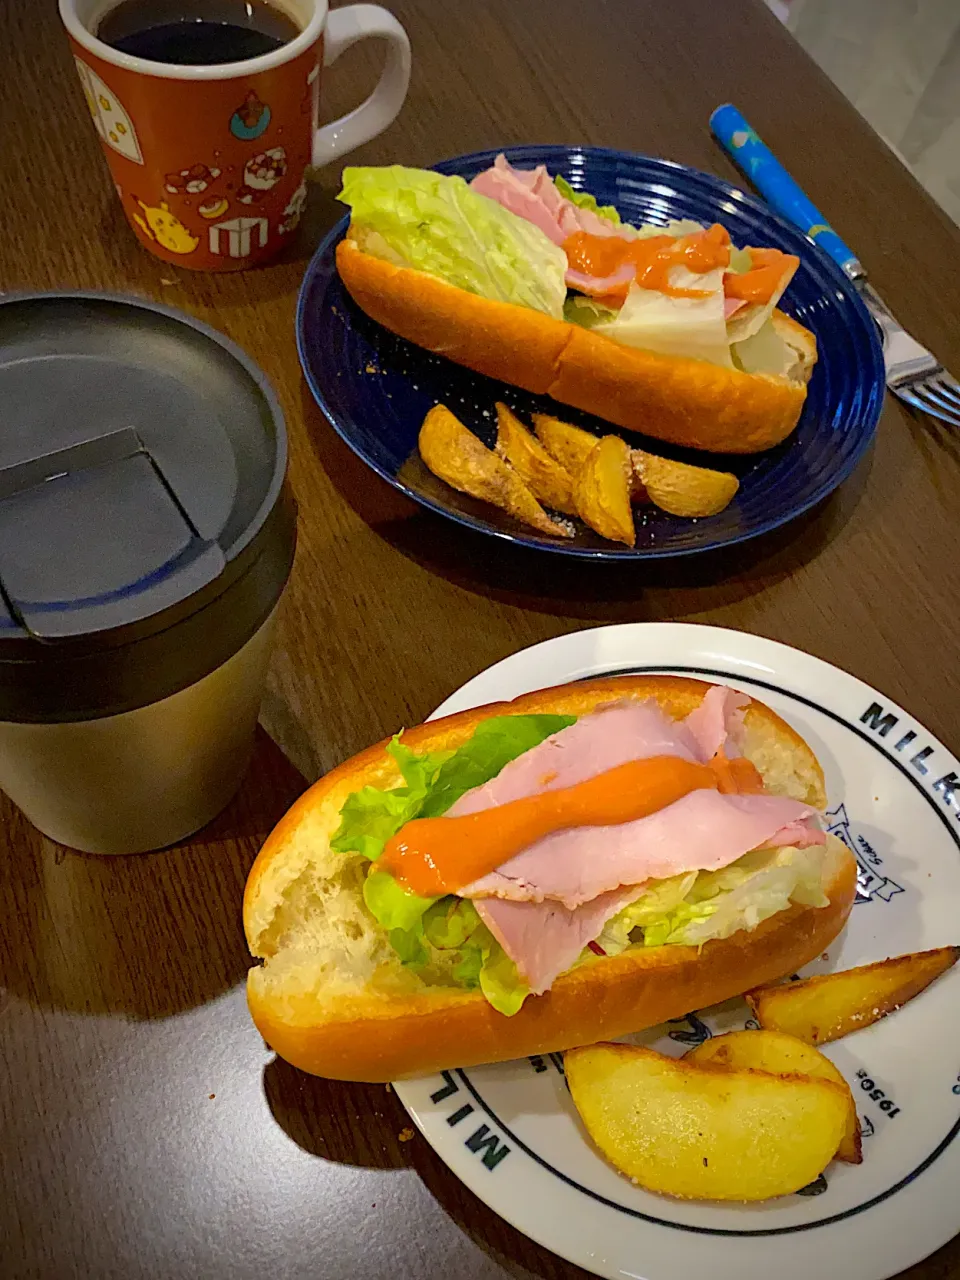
[(375, 388)]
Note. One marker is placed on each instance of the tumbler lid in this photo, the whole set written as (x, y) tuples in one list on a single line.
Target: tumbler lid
[(138, 455), (142, 458)]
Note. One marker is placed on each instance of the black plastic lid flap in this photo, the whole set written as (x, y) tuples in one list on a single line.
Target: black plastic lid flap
[(88, 529)]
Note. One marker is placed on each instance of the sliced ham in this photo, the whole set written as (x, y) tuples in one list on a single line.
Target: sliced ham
[(516, 197), (573, 218), (594, 744), (801, 834), (598, 286), (609, 737), (718, 722), (702, 832), (544, 905), (544, 940), (732, 305), (531, 194)]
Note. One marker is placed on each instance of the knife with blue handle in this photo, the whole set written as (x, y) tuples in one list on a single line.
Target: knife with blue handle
[(777, 187)]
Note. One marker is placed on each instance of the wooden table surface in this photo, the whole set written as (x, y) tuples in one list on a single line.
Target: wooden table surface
[(144, 1130)]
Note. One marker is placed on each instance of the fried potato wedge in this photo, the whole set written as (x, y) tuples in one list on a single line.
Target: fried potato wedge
[(781, 1055), (454, 453), (701, 1133), (602, 491), (681, 489), (825, 1008), (546, 479), (569, 446)]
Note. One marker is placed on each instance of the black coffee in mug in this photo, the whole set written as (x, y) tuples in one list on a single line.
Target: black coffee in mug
[(196, 32)]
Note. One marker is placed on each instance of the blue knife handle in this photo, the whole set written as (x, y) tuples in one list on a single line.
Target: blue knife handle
[(777, 187)]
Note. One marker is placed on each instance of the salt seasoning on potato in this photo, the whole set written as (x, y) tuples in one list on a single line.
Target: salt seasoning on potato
[(547, 480), (454, 453), (681, 489), (568, 470), (700, 1133), (570, 446)]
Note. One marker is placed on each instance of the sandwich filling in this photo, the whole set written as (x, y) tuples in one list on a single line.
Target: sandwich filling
[(548, 841), (522, 237)]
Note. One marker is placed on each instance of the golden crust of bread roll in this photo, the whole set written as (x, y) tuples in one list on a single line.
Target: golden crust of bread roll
[(380, 1039), (801, 342), (514, 344), (333, 999), (687, 402)]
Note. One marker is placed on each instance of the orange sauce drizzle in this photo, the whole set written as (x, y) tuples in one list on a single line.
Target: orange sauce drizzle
[(654, 258), (436, 856)]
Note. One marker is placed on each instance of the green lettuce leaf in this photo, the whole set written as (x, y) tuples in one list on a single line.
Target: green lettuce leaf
[(689, 910), (392, 905), (481, 961), (674, 928), (437, 224), (658, 901), (468, 968), (494, 744), (584, 200), (454, 925), (752, 889), (740, 260), (461, 930), (675, 227), (413, 924), (449, 923), (408, 945), (500, 982), (587, 312), (432, 782), (418, 772), (370, 816)]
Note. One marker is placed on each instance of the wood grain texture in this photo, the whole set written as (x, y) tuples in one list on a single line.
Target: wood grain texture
[(121, 1011)]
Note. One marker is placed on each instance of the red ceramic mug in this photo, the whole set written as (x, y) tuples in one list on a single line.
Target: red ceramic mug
[(210, 162)]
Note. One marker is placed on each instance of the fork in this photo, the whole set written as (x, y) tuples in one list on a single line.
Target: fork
[(913, 373)]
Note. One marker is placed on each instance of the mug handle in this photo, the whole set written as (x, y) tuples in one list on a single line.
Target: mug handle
[(344, 28)]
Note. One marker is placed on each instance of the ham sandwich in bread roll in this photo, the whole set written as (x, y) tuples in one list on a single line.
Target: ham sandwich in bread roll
[(667, 330), (580, 863)]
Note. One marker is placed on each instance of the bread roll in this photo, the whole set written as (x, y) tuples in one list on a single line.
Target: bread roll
[(332, 997), (687, 402)]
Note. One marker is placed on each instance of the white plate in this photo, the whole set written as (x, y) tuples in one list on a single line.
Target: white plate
[(510, 1131)]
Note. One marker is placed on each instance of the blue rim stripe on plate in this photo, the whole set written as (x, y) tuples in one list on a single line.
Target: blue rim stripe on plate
[(374, 389)]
